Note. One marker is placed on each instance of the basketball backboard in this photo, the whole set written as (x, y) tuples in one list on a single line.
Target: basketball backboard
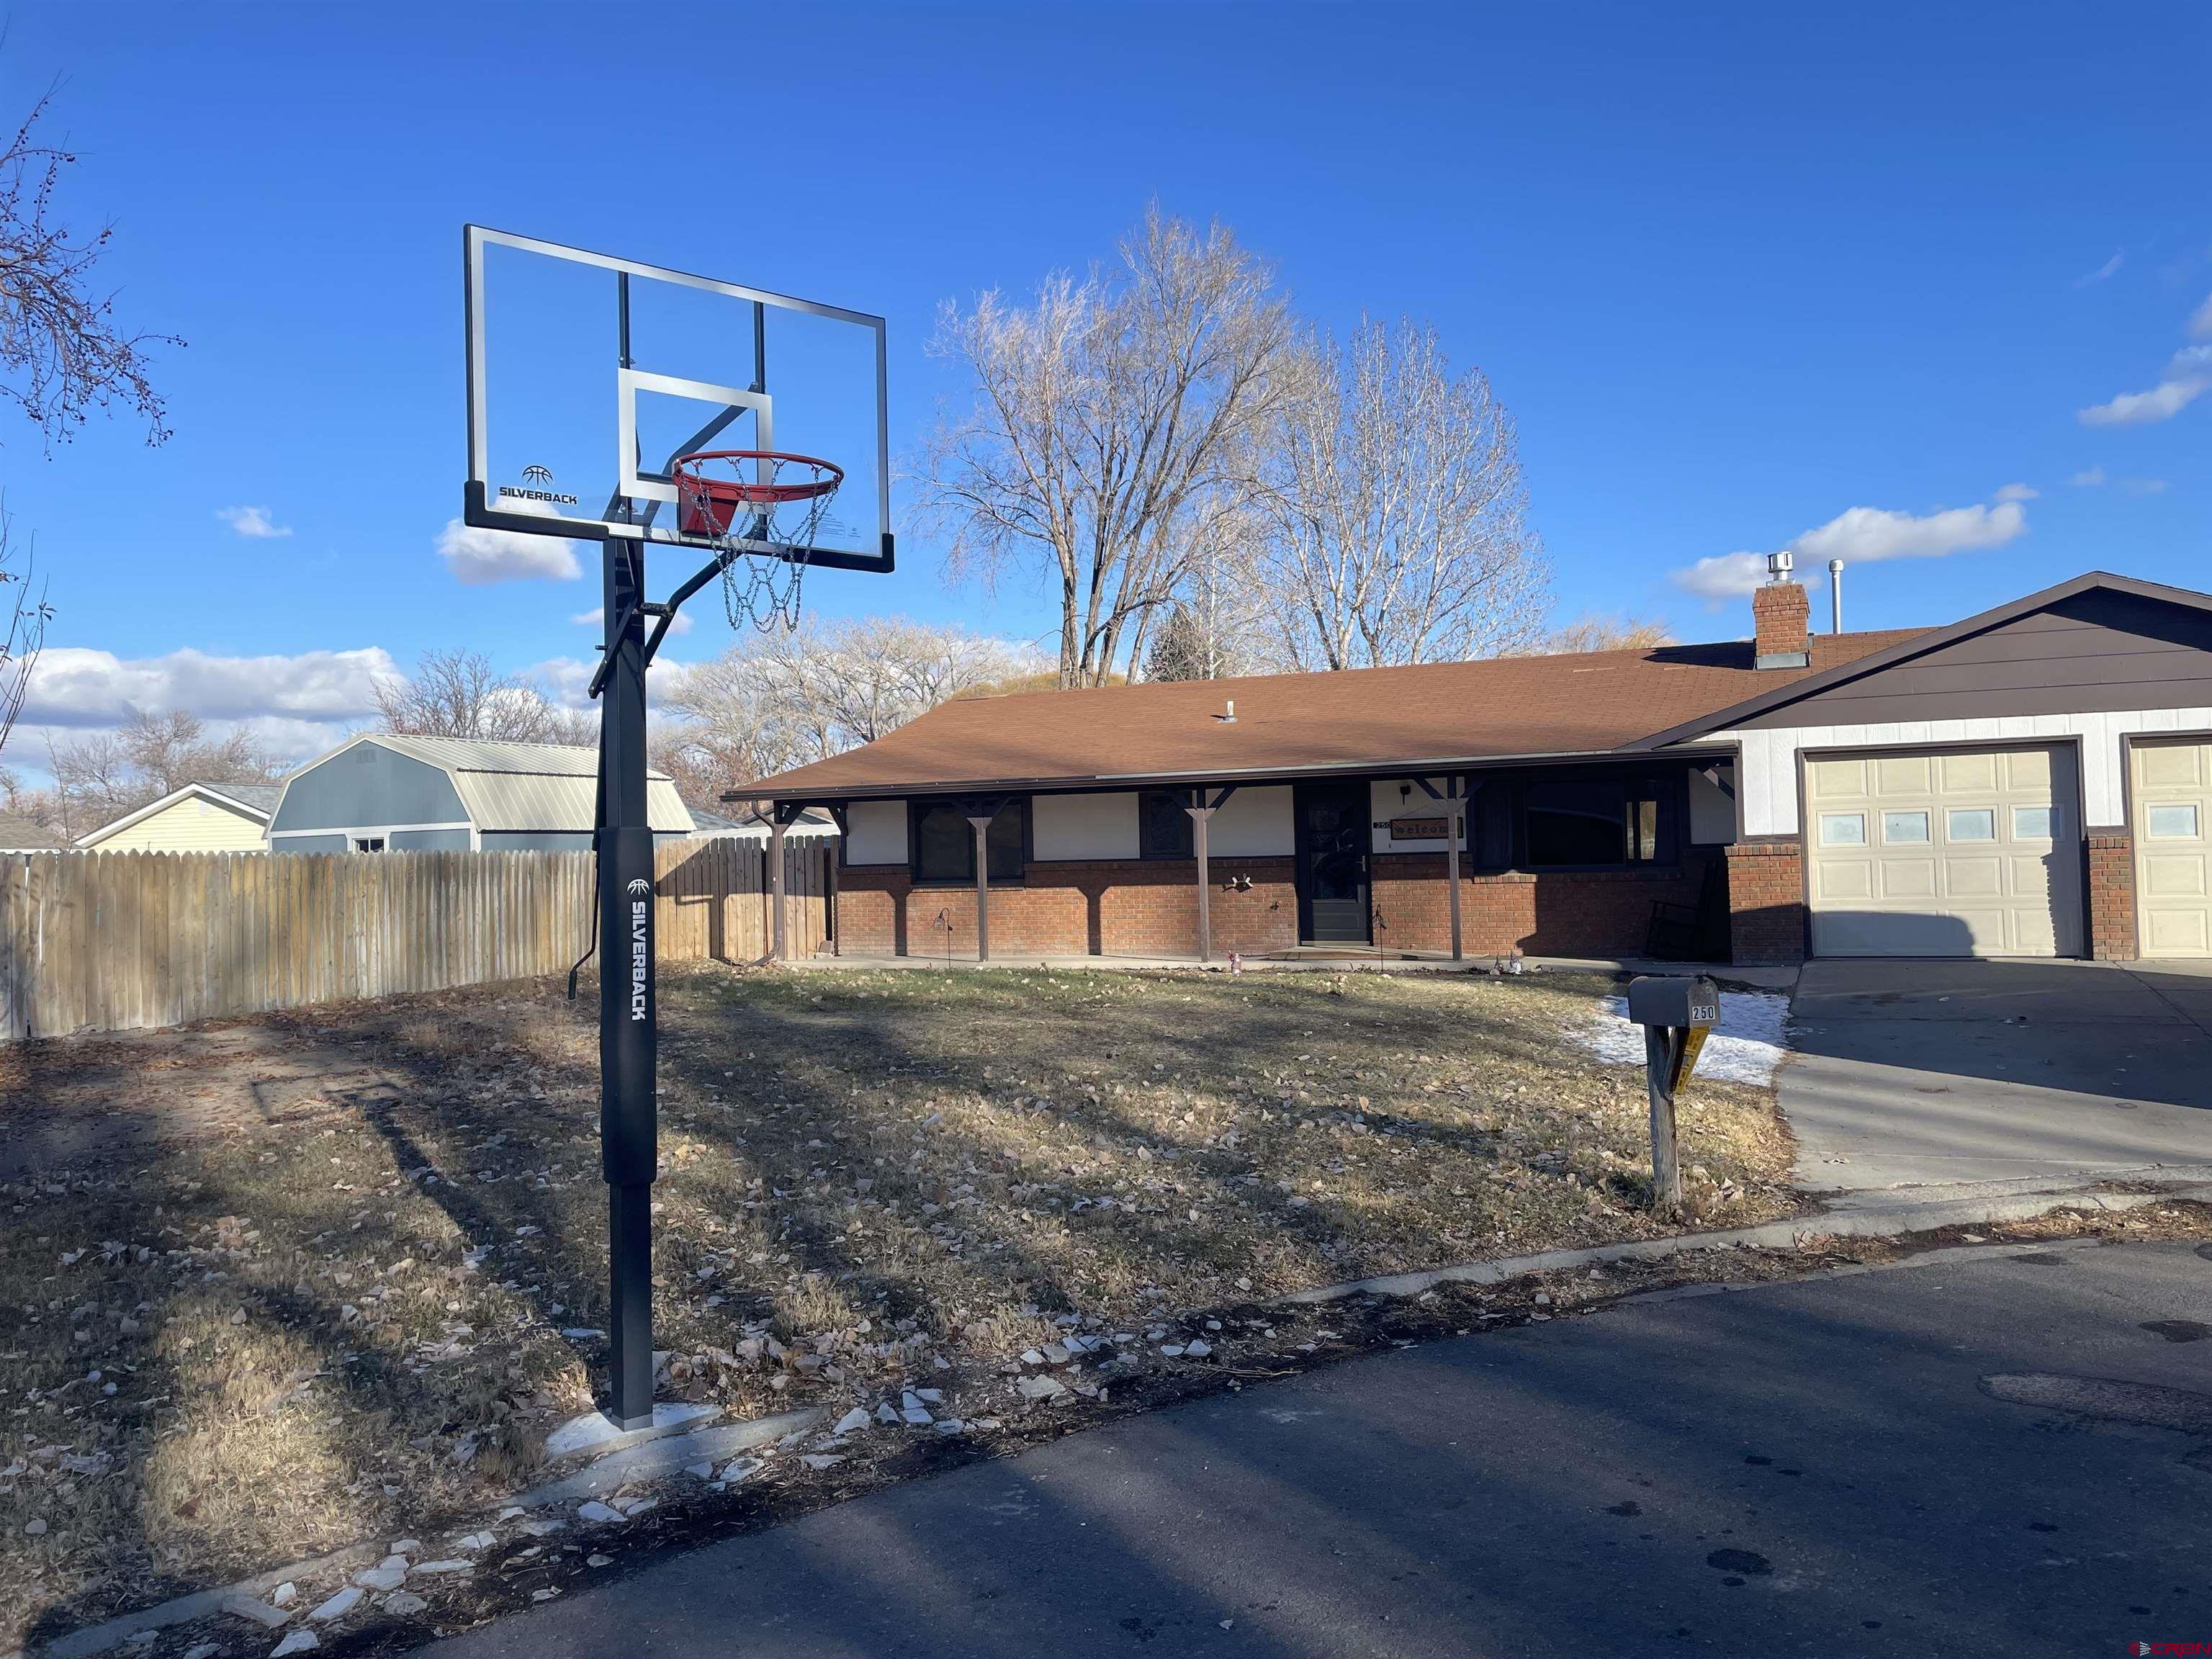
[(588, 375)]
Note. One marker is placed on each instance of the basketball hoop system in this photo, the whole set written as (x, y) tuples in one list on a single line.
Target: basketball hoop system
[(746, 501)]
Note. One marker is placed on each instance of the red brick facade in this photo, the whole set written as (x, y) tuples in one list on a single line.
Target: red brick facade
[(1149, 908), (1132, 908), (1766, 900), (2111, 896)]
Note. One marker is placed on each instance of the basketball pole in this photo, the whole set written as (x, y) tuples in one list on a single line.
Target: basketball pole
[(628, 1016)]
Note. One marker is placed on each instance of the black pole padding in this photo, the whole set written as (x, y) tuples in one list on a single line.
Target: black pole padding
[(628, 1136)]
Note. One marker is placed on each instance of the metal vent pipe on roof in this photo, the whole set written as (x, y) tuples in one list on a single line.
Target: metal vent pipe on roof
[(1835, 596)]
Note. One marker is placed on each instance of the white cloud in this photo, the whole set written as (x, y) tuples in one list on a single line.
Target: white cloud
[(592, 618), (1723, 577), (73, 686), (2102, 271), (253, 521), (477, 557), (2187, 378), (1860, 535), (568, 680), (1867, 533), (293, 705), (2016, 492), (2087, 478), (2200, 323), (2144, 486)]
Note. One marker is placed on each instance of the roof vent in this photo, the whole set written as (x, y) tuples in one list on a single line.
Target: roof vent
[(1228, 714)]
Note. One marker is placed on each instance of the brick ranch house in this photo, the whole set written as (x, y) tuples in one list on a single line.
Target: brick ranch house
[(2034, 781)]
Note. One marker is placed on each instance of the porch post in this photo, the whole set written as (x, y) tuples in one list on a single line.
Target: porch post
[(1456, 827), (982, 827), (1199, 815), (775, 885)]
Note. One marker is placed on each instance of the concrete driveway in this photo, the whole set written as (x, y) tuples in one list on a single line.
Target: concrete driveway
[(1910, 1073)]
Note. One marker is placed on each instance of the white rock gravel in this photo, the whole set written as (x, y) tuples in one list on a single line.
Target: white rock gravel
[(300, 1641)]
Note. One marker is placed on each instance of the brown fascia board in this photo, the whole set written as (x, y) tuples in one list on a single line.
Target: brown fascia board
[(1259, 776), (1919, 645)]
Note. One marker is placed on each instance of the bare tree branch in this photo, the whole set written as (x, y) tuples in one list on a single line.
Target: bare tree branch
[(62, 356), (458, 694)]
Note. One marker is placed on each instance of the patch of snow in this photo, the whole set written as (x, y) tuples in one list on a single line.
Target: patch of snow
[(1745, 1047)]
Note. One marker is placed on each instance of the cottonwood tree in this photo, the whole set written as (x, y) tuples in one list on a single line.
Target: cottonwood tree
[(62, 358), (458, 694), (1607, 633), (1396, 517), (1111, 417)]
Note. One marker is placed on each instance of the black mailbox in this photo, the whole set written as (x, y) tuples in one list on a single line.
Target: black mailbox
[(1675, 1015)]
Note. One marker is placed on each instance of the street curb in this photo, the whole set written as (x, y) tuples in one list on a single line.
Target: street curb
[(1872, 1221), (647, 1456)]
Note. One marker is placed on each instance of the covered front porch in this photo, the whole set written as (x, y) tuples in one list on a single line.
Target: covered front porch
[(1601, 859)]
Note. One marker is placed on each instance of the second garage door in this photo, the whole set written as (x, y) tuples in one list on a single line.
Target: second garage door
[(1964, 852)]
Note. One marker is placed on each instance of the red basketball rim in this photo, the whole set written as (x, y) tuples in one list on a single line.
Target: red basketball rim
[(753, 493)]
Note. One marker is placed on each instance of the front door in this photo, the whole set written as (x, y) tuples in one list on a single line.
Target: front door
[(1334, 839)]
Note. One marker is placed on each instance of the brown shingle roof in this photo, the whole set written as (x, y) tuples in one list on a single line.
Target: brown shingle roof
[(1586, 703)]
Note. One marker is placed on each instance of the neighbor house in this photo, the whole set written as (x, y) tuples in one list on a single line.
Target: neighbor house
[(194, 818), (384, 794), (20, 832), (2033, 781)]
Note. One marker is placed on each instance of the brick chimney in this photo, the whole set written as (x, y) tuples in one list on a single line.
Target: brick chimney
[(1781, 616)]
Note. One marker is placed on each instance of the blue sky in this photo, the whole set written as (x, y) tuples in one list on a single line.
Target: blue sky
[(1736, 273)]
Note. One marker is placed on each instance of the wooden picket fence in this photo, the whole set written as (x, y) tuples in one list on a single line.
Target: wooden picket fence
[(132, 941)]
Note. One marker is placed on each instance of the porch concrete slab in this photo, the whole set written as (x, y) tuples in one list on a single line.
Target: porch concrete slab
[(1762, 978), (1913, 1073)]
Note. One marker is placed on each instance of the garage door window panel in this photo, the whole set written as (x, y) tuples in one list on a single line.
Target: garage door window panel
[(1965, 824), (1843, 828), (1904, 829), (2031, 824), (2173, 821)]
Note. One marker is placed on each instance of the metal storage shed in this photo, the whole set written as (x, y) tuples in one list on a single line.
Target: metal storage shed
[(381, 793)]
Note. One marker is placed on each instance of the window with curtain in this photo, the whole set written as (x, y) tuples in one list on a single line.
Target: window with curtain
[(1162, 824)]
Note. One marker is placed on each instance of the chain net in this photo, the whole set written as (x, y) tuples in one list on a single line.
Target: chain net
[(738, 500)]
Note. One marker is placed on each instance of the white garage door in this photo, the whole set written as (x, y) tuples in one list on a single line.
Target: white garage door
[(2172, 813), (1970, 853)]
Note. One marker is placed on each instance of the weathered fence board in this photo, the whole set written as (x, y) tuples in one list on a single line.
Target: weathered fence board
[(126, 941)]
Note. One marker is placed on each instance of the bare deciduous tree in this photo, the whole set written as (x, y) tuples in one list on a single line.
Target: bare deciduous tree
[(1110, 417), (458, 694), (780, 700), (100, 777), (1396, 518), (1594, 632), (62, 355)]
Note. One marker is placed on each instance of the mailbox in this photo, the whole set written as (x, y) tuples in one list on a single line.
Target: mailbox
[(1675, 1015), (1685, 1003)]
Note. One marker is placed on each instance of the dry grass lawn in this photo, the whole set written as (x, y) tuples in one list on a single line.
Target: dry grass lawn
[(357, 1314)]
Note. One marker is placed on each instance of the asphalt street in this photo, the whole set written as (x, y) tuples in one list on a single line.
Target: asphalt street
[(2005, 1449)]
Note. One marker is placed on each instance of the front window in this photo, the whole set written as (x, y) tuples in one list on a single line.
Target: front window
[(1596, 822), (368, 843), (944, 842)]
